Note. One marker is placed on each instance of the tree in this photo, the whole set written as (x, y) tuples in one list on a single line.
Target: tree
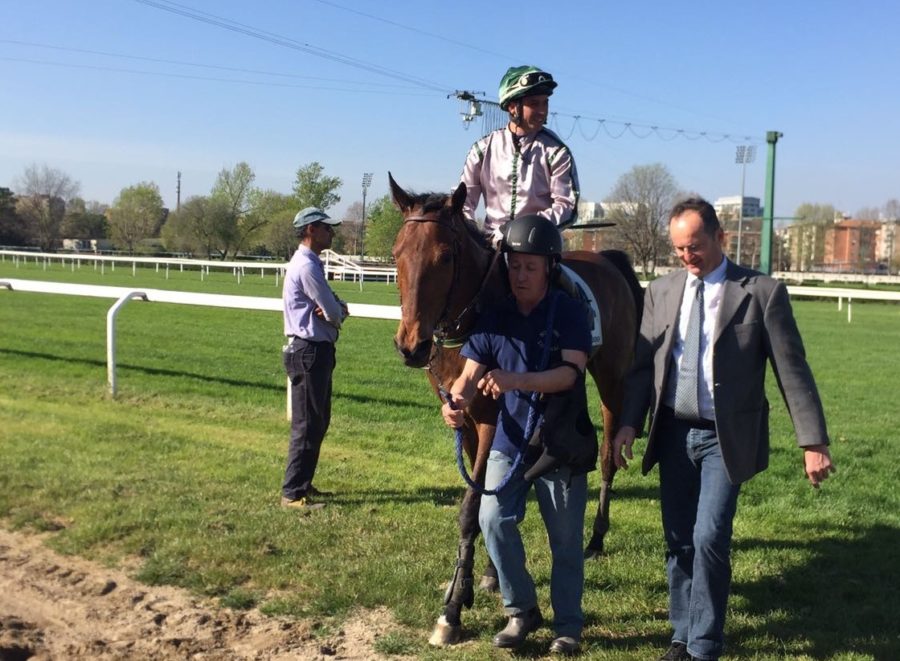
[(233, 192), (383, 221), (821, 214), (273, 213), (640, 203), (347, 236), (868, 213), (84, 220), (135, 214), (313, 189), (202, 226), (892, 209), (12, 227), (43, 193)]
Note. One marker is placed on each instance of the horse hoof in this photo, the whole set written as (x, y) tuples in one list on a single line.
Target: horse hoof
[(445, 633), (489, 584), (590, 553)]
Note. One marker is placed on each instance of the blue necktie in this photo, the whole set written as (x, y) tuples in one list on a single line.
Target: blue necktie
[(687, 388)]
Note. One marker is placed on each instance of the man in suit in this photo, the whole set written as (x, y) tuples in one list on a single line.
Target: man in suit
[(699, 368)]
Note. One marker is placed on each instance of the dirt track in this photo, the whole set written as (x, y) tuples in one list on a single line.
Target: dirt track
[(60, 607)]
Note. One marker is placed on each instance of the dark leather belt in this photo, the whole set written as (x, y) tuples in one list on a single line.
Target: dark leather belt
[(699, 423)]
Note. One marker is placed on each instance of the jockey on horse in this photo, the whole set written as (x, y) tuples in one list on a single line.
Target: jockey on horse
[(523, 168)]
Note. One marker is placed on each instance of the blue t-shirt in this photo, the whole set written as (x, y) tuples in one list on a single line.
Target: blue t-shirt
[(506, 339)]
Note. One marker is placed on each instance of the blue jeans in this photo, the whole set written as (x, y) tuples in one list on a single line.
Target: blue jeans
[(698, 507), (562, 498)]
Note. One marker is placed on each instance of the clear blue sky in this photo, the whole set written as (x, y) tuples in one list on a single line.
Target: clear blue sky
[(826, 74)]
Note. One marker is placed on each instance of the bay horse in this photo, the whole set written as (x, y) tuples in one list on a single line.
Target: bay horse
[(446, 271)]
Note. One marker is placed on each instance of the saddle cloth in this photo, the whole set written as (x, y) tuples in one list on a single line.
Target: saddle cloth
[(588, 297)]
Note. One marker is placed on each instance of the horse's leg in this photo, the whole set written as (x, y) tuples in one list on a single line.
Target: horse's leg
[(611, 405), (460, 592)]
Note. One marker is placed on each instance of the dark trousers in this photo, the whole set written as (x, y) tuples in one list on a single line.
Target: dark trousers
[(698, 507), (309, 365)]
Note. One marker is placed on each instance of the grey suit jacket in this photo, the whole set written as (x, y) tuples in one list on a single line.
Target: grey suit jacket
[(755, 324)]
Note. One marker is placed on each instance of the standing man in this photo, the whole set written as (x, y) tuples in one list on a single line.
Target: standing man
[(504, 358), (699, 368), (312, 317), (523, 168)]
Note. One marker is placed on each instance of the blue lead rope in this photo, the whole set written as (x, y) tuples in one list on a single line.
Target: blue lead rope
[(529, 425)]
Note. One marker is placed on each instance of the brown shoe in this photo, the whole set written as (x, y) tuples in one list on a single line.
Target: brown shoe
[(303, 504)]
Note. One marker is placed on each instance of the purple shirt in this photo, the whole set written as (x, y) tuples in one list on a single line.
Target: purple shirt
[(305, 288)]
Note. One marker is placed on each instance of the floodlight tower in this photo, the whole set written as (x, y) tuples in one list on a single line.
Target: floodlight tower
[(744, 154), (366, 182)]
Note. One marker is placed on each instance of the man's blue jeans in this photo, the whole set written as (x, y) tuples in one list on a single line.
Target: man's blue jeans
[(562, 498), (698, 507)]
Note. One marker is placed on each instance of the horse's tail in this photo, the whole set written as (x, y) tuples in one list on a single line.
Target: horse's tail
[(623, 264)]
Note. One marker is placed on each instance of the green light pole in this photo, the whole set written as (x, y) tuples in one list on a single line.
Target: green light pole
[(768, 224)]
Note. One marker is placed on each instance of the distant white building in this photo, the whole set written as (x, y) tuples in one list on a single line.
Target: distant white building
[(730, 207), (589, 211)]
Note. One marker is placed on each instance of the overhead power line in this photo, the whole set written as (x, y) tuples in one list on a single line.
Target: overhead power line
[(184, 76), (638, 130), (287, 42), (217, 67), (493, 117), (409, 28)]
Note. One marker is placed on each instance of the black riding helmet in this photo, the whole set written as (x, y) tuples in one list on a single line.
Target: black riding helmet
[(532, 234)]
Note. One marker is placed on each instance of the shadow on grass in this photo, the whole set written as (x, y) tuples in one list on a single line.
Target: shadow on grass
[(219, 380), (630, 492), (845, 599), (440, 497)]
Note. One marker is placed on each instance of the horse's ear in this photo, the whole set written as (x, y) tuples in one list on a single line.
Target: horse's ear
[(458, 198), (401, 197)]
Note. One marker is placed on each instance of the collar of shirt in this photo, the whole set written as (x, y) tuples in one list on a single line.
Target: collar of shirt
[(305, 250)]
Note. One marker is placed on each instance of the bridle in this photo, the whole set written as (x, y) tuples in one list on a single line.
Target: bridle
[(444, 328)]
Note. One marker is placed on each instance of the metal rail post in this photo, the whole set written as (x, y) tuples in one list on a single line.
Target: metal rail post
[(111, 315)]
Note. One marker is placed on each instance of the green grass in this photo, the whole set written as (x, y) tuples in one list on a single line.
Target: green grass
[(180, 476)]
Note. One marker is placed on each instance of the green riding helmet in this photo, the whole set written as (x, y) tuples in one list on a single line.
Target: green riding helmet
[(523, 81), (532, 234)]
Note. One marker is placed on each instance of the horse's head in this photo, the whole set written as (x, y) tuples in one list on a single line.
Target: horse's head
[(428, 266)]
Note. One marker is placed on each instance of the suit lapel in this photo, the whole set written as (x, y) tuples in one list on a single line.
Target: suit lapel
[(733, 294), (671, 305)]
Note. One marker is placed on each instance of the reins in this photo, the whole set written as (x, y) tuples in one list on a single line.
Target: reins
[(529, 425), (441, 336)]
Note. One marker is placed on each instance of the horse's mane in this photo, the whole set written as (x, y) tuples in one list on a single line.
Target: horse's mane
[(436, 202)]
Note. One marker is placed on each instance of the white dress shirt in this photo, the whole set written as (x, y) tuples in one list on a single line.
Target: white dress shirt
[(713, 285)]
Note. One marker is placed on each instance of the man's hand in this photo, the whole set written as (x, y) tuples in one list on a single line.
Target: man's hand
[(817, 461), (496, 382), (453, 413), (624, 439)]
